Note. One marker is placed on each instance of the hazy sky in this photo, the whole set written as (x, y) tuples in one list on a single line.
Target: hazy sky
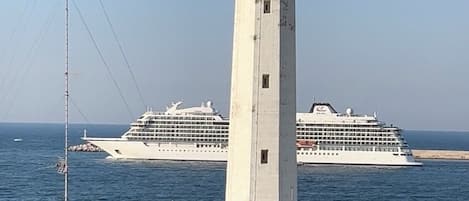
[(407, 60)]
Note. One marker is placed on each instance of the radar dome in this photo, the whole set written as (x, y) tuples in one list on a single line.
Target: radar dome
[(209, 103), (349, 111)]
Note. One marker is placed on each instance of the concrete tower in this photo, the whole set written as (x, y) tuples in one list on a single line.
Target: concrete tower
[(262, 152)]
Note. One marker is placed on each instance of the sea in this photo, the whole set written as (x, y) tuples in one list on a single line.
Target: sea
[(27, 172)]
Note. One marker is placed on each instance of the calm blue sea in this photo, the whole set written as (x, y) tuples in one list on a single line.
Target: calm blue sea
[(27, 172)]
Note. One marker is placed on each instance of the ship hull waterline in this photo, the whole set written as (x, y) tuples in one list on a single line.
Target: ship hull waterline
[(119, 148)]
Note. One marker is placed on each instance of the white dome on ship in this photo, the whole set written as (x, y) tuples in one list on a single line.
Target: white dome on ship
[(349, 111)]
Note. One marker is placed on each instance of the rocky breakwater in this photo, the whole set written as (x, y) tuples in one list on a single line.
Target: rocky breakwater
[(87, 147)]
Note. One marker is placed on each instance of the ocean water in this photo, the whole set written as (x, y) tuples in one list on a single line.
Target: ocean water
[(27, 172)]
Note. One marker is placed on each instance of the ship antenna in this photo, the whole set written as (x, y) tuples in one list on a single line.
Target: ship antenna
[(65, 165)]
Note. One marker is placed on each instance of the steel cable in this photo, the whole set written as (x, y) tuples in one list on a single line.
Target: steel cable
[(101, 56), (123, 53)]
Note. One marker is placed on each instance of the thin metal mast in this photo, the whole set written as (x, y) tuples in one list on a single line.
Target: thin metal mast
[(66, 104)]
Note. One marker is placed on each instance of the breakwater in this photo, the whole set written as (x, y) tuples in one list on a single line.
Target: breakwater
[(441, 154), (87, 147)]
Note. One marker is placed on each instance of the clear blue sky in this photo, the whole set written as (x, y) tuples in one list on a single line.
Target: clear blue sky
[(407, 60)]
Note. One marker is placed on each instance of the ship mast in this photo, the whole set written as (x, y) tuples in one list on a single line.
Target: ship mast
[(66, 104)]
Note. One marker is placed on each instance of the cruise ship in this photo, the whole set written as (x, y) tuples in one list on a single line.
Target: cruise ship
[(324, 136)]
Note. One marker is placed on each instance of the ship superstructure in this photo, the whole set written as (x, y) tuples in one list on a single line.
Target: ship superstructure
[(196, 133), (332, 137), (324, 136)]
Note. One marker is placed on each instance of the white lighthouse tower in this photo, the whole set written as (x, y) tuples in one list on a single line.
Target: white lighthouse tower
[(262, 152)]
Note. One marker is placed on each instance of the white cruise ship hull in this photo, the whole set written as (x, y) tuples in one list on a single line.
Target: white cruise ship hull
[(120, 148), (124, 149), (356, 158)]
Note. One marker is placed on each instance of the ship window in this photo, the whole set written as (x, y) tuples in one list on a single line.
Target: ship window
[(265, 81), (266, 6), (264, 156)]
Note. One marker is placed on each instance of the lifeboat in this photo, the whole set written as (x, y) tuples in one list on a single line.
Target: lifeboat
[(305, 143)]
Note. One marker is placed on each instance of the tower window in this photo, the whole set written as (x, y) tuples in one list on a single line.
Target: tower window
[(264, 156), (265, 81), (266, 6)]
